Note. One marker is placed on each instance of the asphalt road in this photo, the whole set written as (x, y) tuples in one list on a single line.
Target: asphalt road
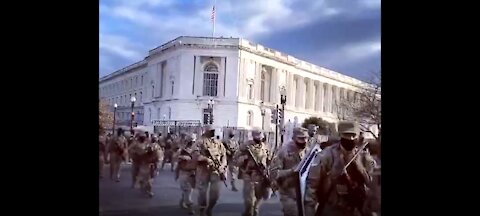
[(118, 199)]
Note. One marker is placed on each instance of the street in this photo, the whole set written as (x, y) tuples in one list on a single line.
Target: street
[(119, 199)]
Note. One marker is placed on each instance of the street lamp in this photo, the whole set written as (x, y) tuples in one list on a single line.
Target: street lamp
[(283, 101), (114, 113), (262, 111), (211, 102), (132, 99)]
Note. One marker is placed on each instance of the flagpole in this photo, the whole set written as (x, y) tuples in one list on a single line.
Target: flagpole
[(214, 19)]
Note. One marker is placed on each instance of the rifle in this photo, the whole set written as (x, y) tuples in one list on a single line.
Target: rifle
[(262, 170), (217, 166), (357, 194)]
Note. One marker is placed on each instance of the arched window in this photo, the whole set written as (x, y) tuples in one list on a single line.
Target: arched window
[(141, 96), (158, 113), (210, 79), (153, 90), (249, 118), (325, 98)]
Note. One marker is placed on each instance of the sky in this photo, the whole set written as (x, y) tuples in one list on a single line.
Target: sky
[(341, 35)]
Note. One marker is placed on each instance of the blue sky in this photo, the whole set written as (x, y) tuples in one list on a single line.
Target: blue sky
[(342, 35)]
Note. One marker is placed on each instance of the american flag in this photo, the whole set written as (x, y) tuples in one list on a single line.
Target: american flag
[(213, 14)]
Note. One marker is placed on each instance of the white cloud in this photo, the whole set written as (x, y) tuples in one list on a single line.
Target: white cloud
[(373, 4), (349, 54), (119, 46), (362, 50)]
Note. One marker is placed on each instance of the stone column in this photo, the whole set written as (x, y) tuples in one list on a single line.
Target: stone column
[(311, 95)]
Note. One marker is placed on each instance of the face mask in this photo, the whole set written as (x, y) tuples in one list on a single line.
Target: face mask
[(231, 136), (347, 144), (141, 139), (210, 134), (257, 141)]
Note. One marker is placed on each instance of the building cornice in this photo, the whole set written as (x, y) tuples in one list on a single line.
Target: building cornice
[(126, 69)]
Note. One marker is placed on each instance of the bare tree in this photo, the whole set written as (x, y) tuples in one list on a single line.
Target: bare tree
[(105, 116), (364, 107)]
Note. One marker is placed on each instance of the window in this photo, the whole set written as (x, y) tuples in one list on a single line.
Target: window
[(153, 90), (135, 95), (140, 96), (136, 81), (141, 81), (131, 82), (169, 113), (158, 113), (173, 86), (250, 91), (149, 114), (249, 118), (206, 113), (210, 79), (262, 86)]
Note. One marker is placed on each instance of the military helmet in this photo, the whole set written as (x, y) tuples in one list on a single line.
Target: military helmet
[(348, 128), (299, 132), (257, 133), (209, 128)]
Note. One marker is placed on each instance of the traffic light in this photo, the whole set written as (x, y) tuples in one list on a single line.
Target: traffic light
[(280, 116), (274, 116)]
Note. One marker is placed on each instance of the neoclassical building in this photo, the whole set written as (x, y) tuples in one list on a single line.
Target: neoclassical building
[(176, 80)]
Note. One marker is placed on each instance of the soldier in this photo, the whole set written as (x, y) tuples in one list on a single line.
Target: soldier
[(210, 156), (134, 158), (147, 155), (255, 180), (102, 154), (117, 150), (231, 146), (313, 138), (169, 150), (336, 188), (282, 170), (185, 174)]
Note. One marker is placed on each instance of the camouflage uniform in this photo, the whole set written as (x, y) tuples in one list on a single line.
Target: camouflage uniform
[(231, 146), (282, 170), (118, 151), (254, 187), (338, 190), (147, 155), (102, 154), (185, 173), (206, 172), (169, 150)]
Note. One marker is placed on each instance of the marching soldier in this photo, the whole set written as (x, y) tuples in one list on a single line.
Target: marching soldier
[(169, 150), (338, 189), (185, 174), (102, 154), (134, 158), (231, 146), (147, 155), (117, 150), (252, 158), (282, 170), (211, 160)]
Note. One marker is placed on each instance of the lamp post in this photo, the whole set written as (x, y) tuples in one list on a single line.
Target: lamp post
[(262, 111), (283, 101), (132, 99), (114, 114), (211, 102)]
